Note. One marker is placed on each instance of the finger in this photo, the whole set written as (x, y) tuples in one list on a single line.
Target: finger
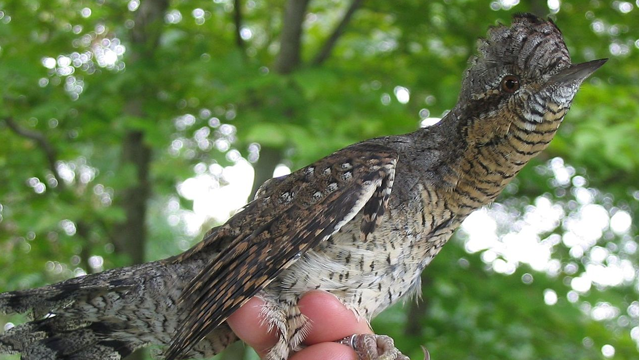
[(248, 323), (330, 319), (326, 351)]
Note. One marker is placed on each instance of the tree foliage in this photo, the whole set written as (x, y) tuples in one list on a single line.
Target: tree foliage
[(208, 84)]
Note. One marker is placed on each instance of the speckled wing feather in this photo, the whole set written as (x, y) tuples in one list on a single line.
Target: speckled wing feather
[(290, 217)]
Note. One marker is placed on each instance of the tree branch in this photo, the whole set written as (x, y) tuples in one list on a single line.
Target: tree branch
[(237, 21), (83, 228), (328, 46), (44, 144)]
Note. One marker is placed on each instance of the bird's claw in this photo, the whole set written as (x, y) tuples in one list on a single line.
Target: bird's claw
[(373, 347), (427, 356)]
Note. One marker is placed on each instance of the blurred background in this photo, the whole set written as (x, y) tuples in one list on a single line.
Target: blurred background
[(129, 128)]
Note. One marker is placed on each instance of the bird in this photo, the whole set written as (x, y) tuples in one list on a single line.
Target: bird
[(361, 223)]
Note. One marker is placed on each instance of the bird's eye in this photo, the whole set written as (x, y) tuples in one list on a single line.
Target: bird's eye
[(510, 84)]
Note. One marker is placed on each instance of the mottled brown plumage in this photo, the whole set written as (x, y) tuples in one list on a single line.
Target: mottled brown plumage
[(361, 223)]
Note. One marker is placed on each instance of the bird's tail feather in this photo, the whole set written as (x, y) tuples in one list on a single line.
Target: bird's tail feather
[(101, 316)]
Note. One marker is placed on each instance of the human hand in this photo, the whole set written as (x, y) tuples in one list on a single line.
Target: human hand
[(330, 321)]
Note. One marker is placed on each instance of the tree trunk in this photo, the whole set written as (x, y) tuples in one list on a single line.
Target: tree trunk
[(538, 7), (130, 236), (289, 55), (286, 62), (270, 157), (418, 309)]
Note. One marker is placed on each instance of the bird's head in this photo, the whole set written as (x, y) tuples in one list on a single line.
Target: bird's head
[(522, 76)]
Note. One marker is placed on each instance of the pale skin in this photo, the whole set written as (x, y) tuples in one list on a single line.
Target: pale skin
[(331, 321)]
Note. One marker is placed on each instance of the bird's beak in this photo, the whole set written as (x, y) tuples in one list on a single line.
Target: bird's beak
[(576, 72)]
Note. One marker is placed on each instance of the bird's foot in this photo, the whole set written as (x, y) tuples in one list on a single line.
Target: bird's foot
[(373, 347)]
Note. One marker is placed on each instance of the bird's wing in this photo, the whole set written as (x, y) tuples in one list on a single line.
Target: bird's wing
[(273, 231)]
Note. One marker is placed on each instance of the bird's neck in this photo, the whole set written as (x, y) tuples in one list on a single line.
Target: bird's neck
[(470, 162)]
